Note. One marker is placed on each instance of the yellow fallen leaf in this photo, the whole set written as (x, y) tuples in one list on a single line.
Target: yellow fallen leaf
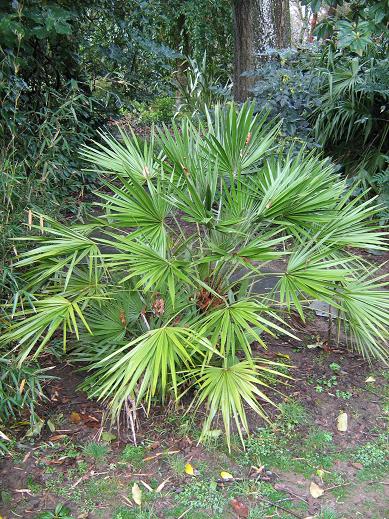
[(342, 422), (283, 355), (22, 384), (369, 380), (189, 470), (136, 494), (75, 417), (226, 475), (315, 490)]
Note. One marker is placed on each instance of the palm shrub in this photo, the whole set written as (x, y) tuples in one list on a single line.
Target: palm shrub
[(161, 293)]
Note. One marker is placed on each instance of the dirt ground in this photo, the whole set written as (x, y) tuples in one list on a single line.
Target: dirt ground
[(93, 473)]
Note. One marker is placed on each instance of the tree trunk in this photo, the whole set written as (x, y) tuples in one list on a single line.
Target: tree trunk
[(258, 26), (243, 47), (281, 16)]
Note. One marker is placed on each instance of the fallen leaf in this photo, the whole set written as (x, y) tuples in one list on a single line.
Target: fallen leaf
[(315, 490), (23, 491), (342, 422), (226, 475), (283, 355), (189, 470), (370, 380), (77, 482), (257, 470), (50, 425), (357, 465), (159, 454), (35, 428), (57, 437), (239, 508), (136, 494), (26, 456), (161, 486), (75, 417), (315, 345), (4, 436), (148, 487), (22, 384)]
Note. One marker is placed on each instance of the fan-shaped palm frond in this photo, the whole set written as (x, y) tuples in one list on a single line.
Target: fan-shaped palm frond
[(238, 141), (147, 365), (52, 314), (297, 192), (234, 327), (312, 273), (125, 157), (228, 390), (153, 270), (364, 310), (144, 208), (66, 248)]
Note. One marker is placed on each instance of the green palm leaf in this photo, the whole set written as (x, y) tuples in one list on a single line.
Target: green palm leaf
[(127, 158), (147, 366), (66, 248), (364, 310), (143, 208), (153, 270), (227, 390), (237, 141), (234, 327), (311, 272), (52, 314)]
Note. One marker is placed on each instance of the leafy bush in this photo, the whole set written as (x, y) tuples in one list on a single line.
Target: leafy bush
[(163, 289), (352, 119), (287, 85), (160, 110)]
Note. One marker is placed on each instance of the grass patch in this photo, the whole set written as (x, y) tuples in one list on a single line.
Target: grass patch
[(98, 490), (97, 451), (133, 455), (177, 463), (288, 452)]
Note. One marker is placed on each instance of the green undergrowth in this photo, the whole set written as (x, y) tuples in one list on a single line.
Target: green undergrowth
[(97, 477)]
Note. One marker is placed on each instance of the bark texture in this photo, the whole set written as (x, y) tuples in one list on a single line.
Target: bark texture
[(258, 25)]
